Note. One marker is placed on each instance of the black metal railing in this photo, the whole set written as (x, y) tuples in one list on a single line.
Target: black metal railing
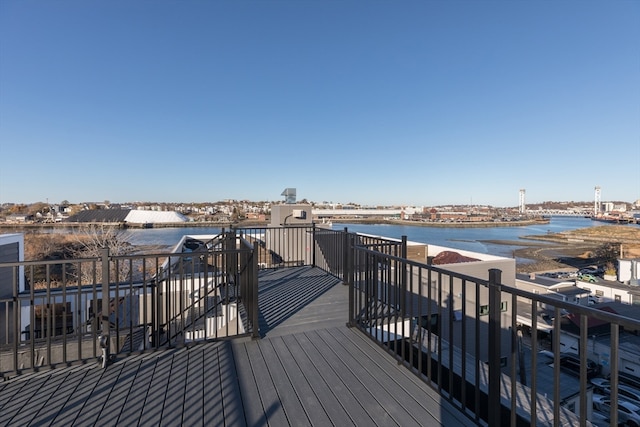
[(59, 310), (464, 336), (481, 344)]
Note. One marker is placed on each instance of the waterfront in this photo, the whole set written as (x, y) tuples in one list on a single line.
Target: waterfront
[(481, 240)]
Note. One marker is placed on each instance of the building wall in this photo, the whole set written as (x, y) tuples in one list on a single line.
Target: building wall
[(285, 213), (11, 250), (607, 293)]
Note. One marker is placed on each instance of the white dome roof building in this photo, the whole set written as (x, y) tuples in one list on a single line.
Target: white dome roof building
[(154, 217)]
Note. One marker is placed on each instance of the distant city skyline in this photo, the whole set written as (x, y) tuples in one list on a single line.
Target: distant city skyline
[(588, 204), (378, 103)]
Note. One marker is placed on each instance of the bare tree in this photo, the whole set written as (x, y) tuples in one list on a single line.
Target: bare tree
[(92, 240)]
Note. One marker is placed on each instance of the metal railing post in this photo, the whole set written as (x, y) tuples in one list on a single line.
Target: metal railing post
[(403, 292), (16, 308), (494, 347), (347, 273), (104, 339), (254, 293), (345, 254), (313, 245)]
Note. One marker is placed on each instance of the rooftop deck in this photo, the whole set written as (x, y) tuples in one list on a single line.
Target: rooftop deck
[(308, 368)]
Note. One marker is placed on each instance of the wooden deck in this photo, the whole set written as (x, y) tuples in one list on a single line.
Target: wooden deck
[(308, 369)]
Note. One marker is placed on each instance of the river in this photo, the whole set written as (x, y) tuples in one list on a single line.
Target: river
[(471, 239)]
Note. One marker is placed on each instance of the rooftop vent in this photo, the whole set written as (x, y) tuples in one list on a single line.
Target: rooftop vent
[(289, 196)]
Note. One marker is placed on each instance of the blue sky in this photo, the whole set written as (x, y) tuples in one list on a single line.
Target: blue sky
[(372, 102)]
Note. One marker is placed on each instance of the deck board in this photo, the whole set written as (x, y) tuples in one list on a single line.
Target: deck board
[(152, 406), (254, 412), (130, 411), (17, 410), (273, 410), (289, 399), (333, 406), (77, 398), (213, 404), (304, 391), (228, 377), (103, 382), (357, 412), (59, 398), (360, 386), (174, 400), (193, 415)]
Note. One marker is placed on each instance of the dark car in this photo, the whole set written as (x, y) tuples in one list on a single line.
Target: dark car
[(570, 363)]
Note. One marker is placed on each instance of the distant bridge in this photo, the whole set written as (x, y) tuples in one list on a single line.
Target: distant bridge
[(558, 212)]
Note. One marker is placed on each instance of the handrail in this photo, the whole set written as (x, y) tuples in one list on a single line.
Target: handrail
[(467, 357)]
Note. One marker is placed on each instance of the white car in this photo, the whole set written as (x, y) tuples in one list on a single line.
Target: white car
[(627, 411), (624, 391)]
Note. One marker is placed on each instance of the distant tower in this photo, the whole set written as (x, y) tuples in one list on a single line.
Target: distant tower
[(521, 204), (597, 206)]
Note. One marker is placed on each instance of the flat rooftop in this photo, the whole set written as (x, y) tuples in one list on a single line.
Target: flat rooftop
[(308, 368)]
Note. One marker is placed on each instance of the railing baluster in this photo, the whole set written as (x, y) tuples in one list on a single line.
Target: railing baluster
[(494, 348)]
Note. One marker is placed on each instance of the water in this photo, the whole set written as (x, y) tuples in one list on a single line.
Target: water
[(471, 239), (475, 239)]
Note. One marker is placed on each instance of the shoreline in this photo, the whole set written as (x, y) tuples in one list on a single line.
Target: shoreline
[(478, 224), (252, 223)]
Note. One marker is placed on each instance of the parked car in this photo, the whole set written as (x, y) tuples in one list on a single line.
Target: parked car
[(628, 379), (603, 386), (627, 411), (600, 419), (593, 300), (570, 363), (592, 269), (588, 278)]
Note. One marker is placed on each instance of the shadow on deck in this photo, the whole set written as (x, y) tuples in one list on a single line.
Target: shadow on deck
[(308, 369)]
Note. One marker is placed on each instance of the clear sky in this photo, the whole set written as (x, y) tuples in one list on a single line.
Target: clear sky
[(374, 102)]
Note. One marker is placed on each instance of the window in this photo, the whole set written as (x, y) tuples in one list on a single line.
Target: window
[(599, 293), (484, 309), (618, 298)]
